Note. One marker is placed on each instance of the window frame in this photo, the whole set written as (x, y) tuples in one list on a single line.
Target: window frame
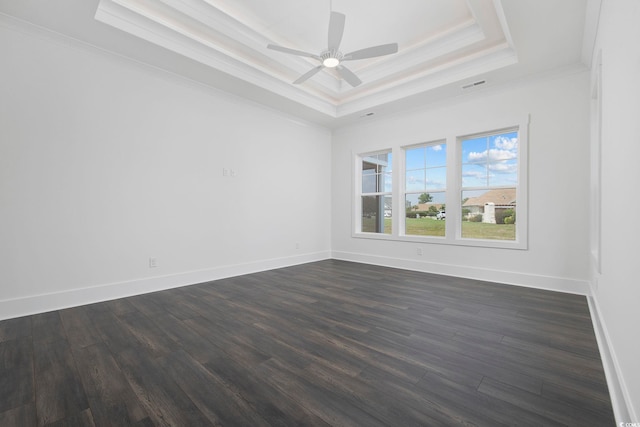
[(520, 241), (357, 225), (453, 191), (403, 170)]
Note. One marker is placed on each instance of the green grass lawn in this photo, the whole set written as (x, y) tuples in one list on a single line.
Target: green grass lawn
[(433, 227), (470, 230), (424, 227), (369, 225), (480, 230)]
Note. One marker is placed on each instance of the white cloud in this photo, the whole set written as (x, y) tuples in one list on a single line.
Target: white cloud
[(492, 155), (436, 147), (505, 143), (474, 174), (503, 167)]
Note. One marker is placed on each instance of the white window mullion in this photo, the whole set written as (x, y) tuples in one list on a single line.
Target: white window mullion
[(398, 222), (453, 190)]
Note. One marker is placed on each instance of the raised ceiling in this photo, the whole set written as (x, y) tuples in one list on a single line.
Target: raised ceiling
[(439, 42), (444, 45)]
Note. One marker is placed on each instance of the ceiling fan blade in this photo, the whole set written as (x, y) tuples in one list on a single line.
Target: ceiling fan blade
[(336, 29), (348, 75), (293, 51), (308, 74), (372, 52)]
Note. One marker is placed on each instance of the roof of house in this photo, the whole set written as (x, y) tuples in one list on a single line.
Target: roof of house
[(499, 197)]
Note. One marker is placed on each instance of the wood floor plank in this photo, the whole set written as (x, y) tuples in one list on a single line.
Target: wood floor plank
[(145, 305), (275, 407), (47, 327), (79, 327), (59, 392), (209, 393), (16, 374), (575, 396), (13, 329), (366, 396), (553, 409), (121, 306), (469, 406), (198, 346), (110, 396), (21, 416), (82, 419), (162, 398), (153, 339), (113, 333), (323, 402), (237, 350)]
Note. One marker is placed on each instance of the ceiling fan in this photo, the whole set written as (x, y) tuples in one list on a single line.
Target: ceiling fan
[(333, 58)]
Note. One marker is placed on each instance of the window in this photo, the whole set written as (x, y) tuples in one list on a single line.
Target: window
[(376, 200), (489, 186), (463, 190), (425, 189)]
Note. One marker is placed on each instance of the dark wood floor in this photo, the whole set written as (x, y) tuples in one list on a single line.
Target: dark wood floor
[(327, 343)]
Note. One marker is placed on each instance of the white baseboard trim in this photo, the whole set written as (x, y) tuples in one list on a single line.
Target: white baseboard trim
[(559, 284), (620, 399), (19, 307), (71, 298)]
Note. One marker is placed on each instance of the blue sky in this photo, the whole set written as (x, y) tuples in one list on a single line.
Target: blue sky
[(426, 168), (490, 161), (370, 177), (487, 161)]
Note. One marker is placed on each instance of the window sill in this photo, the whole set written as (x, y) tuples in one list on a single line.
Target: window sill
[(483, 243)]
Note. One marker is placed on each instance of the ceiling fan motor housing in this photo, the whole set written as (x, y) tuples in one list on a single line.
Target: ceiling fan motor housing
[(331, 58)]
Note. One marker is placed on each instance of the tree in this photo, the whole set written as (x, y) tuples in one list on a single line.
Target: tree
[(425, 198)]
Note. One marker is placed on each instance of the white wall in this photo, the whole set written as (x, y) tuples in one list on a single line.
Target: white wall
[(557, 257), (616, 290), (105, 163)]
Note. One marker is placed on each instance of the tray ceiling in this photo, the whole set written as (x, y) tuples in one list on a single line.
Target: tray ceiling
[(439, 42), (444, 45)]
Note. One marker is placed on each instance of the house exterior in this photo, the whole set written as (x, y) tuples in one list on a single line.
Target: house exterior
[(496, 201), (427, 206)]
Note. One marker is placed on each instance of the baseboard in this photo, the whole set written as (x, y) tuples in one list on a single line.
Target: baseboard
[(75, 297), (72, 298), (559, 284), (620, 399)]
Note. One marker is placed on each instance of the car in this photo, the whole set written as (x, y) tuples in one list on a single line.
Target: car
[(441, 215)]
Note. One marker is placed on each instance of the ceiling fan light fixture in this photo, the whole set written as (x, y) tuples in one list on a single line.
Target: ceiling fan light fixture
[(331, 59), (331, 62)]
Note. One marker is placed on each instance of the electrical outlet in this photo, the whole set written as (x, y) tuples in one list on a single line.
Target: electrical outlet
[(153, 262), (297, 245), (225, 172), (419, 251)]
